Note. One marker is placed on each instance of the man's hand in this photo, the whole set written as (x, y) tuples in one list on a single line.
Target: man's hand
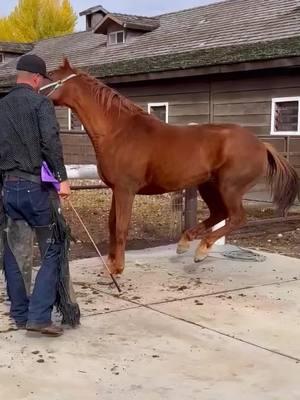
[(65, 190)]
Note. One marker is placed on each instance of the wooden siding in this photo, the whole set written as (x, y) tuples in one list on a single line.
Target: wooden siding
[(188, 100), (78, 149), (62, 117), (245, 100), (248, 101)]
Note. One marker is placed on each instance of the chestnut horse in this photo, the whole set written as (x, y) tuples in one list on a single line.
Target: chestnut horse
[(138, 154)]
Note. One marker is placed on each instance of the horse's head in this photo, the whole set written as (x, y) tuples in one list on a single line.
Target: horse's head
[(60, 87)]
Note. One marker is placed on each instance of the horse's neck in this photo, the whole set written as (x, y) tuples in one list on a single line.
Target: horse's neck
[(92, 115), (101, 116)]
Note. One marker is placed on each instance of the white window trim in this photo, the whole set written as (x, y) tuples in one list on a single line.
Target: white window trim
[(280, 100), (160, 105), (116, 34), (70, 121)]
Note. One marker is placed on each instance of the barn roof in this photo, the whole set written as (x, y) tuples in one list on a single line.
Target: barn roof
[(230, 31), (16, 48)]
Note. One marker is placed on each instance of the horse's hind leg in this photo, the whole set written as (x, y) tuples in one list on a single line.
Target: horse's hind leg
[(236, 218), (218, 212)]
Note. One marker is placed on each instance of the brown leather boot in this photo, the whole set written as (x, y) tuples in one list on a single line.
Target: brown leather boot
[(49, 330)]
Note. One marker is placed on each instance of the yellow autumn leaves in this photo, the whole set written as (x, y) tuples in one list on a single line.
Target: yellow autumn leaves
[(33, 20)]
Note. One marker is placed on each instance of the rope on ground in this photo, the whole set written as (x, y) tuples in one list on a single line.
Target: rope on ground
[(244, 255)]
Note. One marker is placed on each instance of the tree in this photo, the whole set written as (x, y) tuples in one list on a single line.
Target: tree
[(33, 20)]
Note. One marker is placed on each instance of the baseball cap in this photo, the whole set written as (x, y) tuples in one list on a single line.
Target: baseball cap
[(32, 63)]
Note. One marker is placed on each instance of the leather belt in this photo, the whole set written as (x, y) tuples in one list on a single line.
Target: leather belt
[(9, 178)]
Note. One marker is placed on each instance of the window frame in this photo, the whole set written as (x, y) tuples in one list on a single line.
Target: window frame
[(115, 33), (160, 104), (282, 100), (70, 122)]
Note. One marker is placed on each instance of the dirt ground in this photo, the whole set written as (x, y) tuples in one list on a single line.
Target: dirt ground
[(155, 222), (272, 240)]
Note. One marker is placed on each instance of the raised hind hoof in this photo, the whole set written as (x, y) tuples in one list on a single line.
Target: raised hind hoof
[(182, 248), (200, 257)]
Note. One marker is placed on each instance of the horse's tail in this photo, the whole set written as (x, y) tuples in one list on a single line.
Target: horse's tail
[(283, 180)]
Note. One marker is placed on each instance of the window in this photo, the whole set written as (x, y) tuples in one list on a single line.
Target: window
[(89, 22), (285, 116), (2, 58), (160, 110), (116, 37), (74, 123)]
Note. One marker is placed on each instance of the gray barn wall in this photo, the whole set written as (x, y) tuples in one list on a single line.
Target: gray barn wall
[(244, 100)]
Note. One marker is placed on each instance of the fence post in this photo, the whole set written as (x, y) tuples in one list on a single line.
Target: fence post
[(190, 208)]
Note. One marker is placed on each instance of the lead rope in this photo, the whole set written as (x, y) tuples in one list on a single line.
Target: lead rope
[(95, 246)]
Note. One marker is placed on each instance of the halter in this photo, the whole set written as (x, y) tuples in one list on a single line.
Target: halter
[(56, 85)]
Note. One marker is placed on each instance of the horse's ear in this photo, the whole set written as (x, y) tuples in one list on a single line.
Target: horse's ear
[(66, 64)]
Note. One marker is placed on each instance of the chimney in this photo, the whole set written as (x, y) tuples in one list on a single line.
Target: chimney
[(93, 16)]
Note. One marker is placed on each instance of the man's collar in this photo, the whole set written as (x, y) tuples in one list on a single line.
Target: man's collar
[(23, 85)]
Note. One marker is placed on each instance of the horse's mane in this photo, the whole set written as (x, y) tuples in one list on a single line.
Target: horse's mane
[(109, 98)]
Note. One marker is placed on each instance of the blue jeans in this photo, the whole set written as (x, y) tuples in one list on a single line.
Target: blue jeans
[(30, 202)]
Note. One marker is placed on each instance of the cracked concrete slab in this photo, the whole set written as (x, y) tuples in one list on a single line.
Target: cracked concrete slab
[(140, 354), (179, 331)]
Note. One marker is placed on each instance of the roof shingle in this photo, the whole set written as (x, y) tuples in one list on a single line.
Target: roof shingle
[(224, 32)]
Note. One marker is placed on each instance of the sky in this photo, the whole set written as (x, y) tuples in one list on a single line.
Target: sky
[(138, 7)]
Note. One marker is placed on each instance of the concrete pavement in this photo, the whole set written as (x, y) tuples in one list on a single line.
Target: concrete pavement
[(219, 330)]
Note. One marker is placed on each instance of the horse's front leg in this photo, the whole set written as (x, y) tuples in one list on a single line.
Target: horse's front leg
[(112, 232), (123, 200)]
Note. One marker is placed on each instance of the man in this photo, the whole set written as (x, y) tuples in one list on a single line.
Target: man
[(29, 135)]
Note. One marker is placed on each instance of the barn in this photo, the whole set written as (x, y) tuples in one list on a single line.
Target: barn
[(232, 61)]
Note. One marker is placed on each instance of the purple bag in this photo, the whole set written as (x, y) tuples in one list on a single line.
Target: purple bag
[(48, 177)]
